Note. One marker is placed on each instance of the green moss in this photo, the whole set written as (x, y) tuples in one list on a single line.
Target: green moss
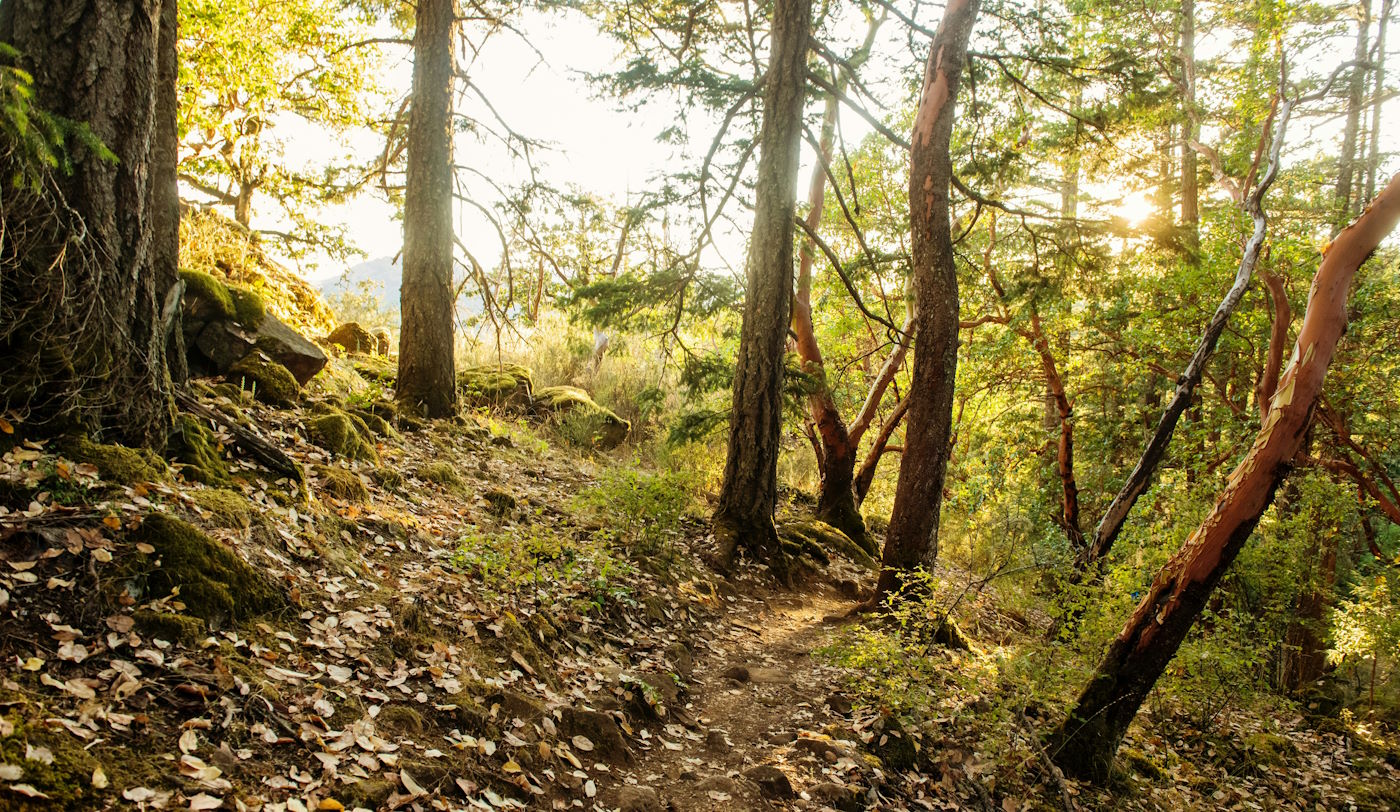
[(371, 793), (116, 463), (1140, 763), (269, 381), (227, 508), (248, 307), (1269, 749), (215, 584), (444, 474), (342, 484), (399, 719), (894, 746), (193, 444), (67, 780), (375, 423), (387, 477), (170, 627), (808, 533), (376, 368), (343, 434), (586, 422), (504, 385), (205, 288)]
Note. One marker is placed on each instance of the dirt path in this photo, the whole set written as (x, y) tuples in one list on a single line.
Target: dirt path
[(763, 726)]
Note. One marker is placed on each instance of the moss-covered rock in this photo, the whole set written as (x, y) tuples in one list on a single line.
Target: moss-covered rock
[(351, 337), (444, 474), (225, 507), (117, 463), (371, 793), (269, 381), (376, 424), (399, 719), (249, 309), (63, 772), (173, 628), (587, 422), (342, 484), (893, 744), (378, 369), (1268, 749), (215, 584), (206, 298), (808, 533), (343, 434), (387, 477), (505, 385), (192, 443)]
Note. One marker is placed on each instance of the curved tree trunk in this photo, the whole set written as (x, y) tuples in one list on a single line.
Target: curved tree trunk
[(84, 317), (748, 494), (836, 501), (1084, 746), (426, 381), (912, 540)]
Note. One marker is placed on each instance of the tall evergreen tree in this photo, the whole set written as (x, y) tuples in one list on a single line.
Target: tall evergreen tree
[(91, 293), (744, 517), (426, 379)]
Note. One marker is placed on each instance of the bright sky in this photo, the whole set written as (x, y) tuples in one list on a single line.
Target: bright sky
[(613, 153)]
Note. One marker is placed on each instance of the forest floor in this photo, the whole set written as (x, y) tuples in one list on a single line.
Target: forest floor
[(481, 619)]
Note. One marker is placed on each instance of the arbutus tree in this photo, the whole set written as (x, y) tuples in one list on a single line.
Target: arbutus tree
[(1085, 744), (912, 539), (748, 494), (837, 442)]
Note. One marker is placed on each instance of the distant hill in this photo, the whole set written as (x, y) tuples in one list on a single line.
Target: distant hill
[(385, 271)]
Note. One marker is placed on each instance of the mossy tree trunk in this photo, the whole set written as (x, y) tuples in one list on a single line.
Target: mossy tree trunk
[(748, 494), (1085, 744), (91, 290), (426, 380), (912, 539)]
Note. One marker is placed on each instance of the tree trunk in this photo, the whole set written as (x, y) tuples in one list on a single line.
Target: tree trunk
[(912, 540), (1084, 746), (748, 494), (1373, 161), (1278, 338), (878, 449), (1347, 163), (426, 381), (836, 502), (1190, 185), (90, 264)]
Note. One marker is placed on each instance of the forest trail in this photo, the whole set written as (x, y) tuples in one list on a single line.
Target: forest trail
[(755, 730)]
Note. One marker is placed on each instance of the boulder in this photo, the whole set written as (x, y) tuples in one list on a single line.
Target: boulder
[(602, 427), (269, 381), (225, 342), (381, 341), (508, 385), (290, 349), (351, 337)]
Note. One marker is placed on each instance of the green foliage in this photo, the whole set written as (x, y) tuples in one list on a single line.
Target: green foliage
[(33, 141), (641, 512), (246, 66)]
